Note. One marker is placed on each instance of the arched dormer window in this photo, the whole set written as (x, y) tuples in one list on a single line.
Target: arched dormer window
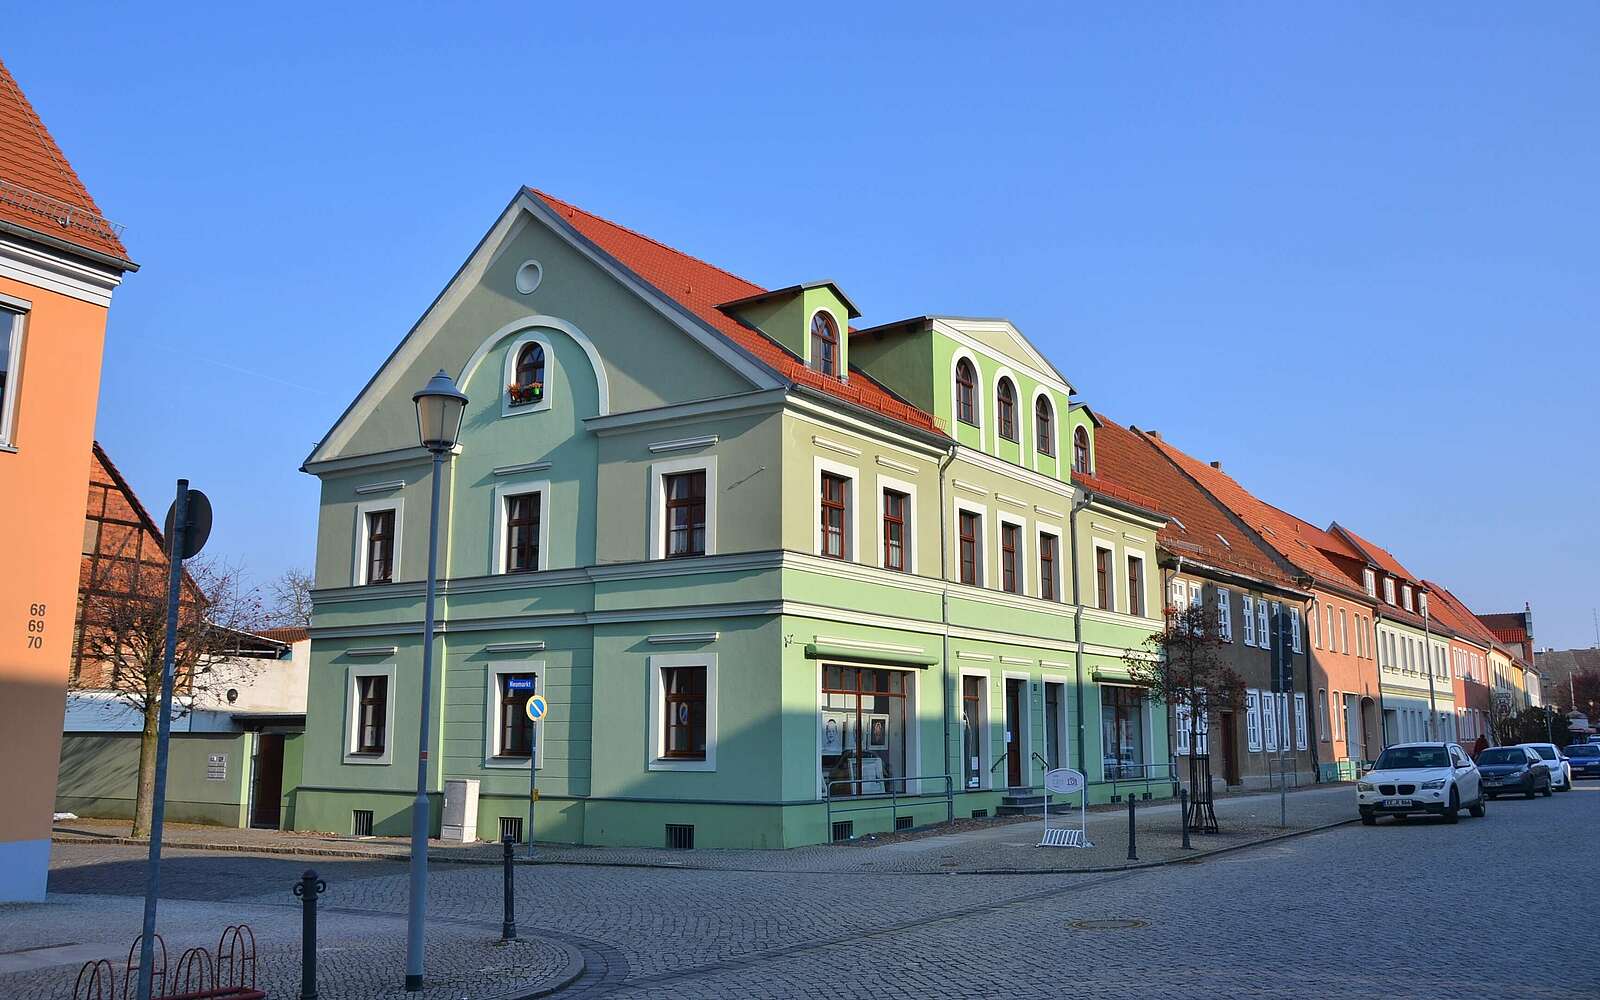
[(1005, 395), (824, 344), (529, 384), (966, 382), (1043, 430), (1080, 451)]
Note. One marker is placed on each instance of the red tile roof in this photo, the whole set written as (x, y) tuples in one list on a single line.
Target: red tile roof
[(1202, 531), (290, 635), (1507, 626), (1329, 561), (701, 287), (1378, 555), (1454, 615), (38, 188)]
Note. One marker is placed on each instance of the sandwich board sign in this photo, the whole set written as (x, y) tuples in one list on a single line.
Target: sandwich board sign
[(1066, 781)]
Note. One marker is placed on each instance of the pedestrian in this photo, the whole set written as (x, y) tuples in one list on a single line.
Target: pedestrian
[(1479, 746)]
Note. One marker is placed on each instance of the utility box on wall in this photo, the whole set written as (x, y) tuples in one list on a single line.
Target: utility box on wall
[(460, 821)]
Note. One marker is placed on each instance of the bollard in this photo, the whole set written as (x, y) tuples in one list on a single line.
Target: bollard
[(1183, 798), (1133, 854), (308, 889), (508, 925)]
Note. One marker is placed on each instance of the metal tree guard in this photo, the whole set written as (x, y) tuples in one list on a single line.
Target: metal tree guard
[(1202, 816)]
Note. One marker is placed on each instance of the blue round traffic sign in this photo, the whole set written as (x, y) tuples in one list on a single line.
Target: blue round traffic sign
[(537, 707)]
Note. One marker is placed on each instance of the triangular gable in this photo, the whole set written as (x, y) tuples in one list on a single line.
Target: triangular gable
[(991, 333), (528, 208)]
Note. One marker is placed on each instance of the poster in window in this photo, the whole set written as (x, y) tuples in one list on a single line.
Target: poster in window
[(835, 732), (877, 732)]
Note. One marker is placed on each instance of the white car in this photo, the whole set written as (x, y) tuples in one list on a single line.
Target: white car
[(1420, 778), (1556, 762)]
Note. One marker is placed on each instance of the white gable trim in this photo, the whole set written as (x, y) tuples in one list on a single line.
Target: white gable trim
[(602, 386), (1033, 363), (517, 215)]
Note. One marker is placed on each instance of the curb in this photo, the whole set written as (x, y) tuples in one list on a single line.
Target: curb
[(566, 977), (333, 852)]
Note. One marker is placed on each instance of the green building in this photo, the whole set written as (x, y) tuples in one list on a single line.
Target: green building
[(781, 580)]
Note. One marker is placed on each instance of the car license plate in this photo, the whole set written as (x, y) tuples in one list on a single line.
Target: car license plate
[(1397, 803)]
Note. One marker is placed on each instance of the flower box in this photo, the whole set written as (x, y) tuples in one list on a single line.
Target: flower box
[(522, 395)]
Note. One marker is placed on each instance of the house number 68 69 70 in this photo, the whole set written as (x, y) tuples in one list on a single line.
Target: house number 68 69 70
[(36, 626)]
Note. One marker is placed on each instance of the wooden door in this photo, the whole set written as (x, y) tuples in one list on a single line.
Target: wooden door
[(267, 793), (1014, 745)]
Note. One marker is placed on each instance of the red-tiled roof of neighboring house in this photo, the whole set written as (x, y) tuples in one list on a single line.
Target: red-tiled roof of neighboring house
[(291, 635), (39, 190), (700, 288), (1199, 529), (1306, 546), (1379, 556), (1507, 626), (1456, 616)]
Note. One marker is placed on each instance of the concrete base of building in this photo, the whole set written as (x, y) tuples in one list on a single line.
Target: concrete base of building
[(24, 869)]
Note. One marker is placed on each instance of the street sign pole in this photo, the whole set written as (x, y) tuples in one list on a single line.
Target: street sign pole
[(536, 709), (187, 528)]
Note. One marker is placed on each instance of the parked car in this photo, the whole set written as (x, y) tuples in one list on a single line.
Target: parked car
[(1508, 770), (1420, 778), (1584, 760), (1556, 761)]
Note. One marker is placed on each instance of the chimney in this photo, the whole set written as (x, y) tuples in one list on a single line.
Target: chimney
[(1154, 434), (1217, 466)]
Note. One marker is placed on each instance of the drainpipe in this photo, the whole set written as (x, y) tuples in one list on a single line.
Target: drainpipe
[(1080, 500), (1313, 710), (1427, 661), (1383, 722), (944, 611)]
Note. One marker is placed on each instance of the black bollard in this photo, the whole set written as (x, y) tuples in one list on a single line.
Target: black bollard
[(308, 889), (508, 926), (1133, 854), (1183, 798)]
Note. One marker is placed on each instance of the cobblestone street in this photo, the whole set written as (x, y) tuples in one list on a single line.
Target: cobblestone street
[(1399, 911)]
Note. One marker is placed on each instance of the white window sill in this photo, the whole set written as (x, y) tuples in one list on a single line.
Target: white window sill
[(677, 764), (9, 449), (367, 758)]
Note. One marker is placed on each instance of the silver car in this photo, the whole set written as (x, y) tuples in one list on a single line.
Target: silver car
[(1556, 761)]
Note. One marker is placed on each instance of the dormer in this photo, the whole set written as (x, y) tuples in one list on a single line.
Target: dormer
[(811, 321), (1079, 440)]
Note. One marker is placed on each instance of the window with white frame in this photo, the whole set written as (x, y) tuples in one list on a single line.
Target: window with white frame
[(683, 508), (835, 518), (1263, 630), (1105, 587), (1322, 714), (1013, 555), (377, 544), (1136, 584), (683, 716), (1369, 580), (1180, 714), (1249, 619), (11, 324), (1224, 614), (1388, 589), (1269, 713), (1294, 624), (510, 737), (368, 698), (1299, 720), (969, 545), (1405, 597), (1344, 633), (521, 527), (1313, 619), (1252, 715)]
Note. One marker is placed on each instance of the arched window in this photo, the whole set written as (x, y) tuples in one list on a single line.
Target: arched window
[(1080, 451), (966, 412), (1043, 431), (529, 384), (1005, 395), (824, 344)]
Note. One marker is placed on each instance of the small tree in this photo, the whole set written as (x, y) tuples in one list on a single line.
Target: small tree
[(124, 623), (1503, 724), (290, 596), (1182, 666)]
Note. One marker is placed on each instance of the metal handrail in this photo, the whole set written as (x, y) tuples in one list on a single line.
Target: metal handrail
[(876, 800), (998, 761), (1149, 776)]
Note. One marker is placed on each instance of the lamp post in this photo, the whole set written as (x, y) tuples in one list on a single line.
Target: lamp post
[(440, 406)]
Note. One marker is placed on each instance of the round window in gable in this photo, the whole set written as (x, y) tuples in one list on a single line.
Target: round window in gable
[(528, 276)]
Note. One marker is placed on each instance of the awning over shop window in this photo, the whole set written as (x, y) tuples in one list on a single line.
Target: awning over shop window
[(851, 654)]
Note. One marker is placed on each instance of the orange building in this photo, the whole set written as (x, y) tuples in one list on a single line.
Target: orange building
[(60, 260)]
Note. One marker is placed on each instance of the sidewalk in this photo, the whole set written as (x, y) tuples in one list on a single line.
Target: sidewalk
[(997, 846), (42, 946)]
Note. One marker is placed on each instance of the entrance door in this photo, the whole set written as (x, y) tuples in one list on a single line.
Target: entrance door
[(266, 796), (1230, 756), (1054, 727), (1014, 745)]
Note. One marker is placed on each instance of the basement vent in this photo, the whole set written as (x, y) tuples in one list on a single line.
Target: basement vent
[(980, 814), (843, 829), (511, 829), (680, 836), (361, 823), (902, 822)]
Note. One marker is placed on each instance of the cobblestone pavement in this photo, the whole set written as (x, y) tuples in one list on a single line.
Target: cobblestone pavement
[(994, 846), (1400, 910)]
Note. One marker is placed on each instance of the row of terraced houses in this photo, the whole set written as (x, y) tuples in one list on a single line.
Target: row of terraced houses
[(785, 577)]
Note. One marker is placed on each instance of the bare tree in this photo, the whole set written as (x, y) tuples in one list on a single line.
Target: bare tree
[(290, 596), (123, 641), (1182, 666), (1503, 725)]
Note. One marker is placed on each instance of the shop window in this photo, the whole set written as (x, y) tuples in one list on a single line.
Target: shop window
[(1123, 750), (865, 730), (974, 730)]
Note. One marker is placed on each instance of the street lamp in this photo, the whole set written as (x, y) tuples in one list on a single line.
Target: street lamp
[(440, 406)]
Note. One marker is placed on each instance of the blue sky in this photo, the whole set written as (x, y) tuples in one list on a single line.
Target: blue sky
[(1348, 251)]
